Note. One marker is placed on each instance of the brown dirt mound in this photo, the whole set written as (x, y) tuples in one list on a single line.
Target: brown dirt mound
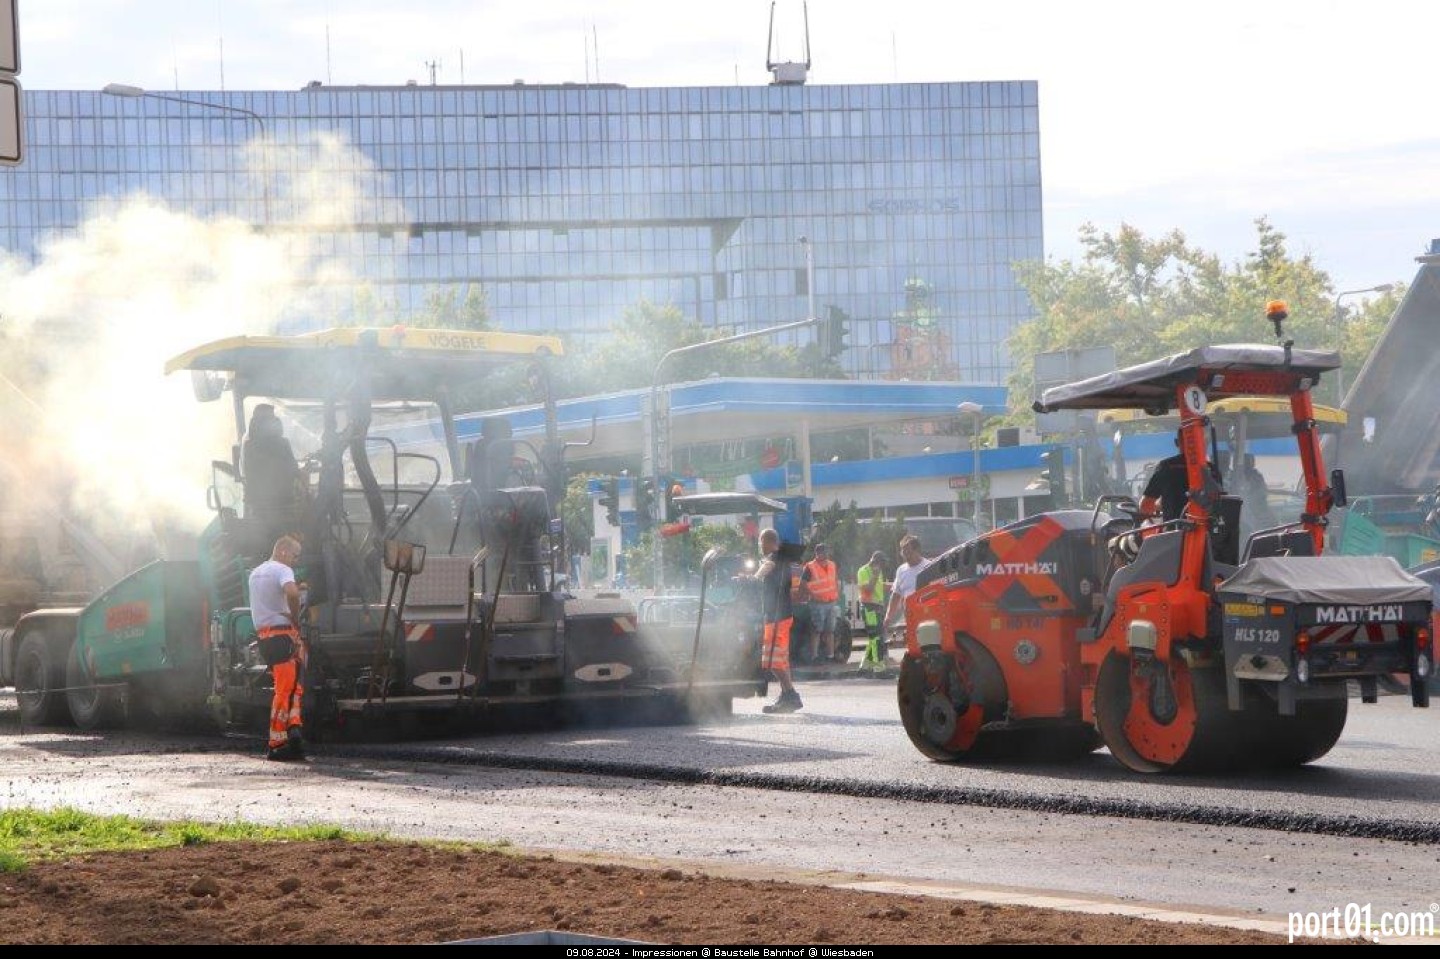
[(393, 893)]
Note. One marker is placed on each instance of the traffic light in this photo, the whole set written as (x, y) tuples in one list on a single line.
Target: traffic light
[(645, 502), (833, 332), (1053, 472), (610, 499)]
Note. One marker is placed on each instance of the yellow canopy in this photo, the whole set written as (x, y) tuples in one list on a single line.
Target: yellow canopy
[(401, 363), (1267, 417)]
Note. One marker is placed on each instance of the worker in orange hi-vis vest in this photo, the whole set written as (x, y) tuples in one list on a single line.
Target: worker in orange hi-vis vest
[(275, 608), (821, 583)]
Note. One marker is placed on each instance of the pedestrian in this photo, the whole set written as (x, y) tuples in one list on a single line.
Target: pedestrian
[(275, 609), (913, 561), (773, 578), (820, 581), (870, 583)]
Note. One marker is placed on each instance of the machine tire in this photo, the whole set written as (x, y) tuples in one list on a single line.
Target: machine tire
[(926, 694), (1201, 735), (91, 706), (39, 681), (1309, 734)]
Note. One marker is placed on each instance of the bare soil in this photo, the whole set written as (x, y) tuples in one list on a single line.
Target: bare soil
[(412, 893)]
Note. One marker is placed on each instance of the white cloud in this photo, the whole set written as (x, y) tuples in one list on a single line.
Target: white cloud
[(1237, 101)]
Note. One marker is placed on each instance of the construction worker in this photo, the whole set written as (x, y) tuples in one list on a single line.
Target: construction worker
[(1165, 493), (275, 609), (274, 491), (870, 581), (905, 573), (773, 577), (820, 582)]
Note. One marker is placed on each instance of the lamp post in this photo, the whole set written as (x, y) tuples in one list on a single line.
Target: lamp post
[(133, 92), (1340, 332), (977, 411), (809, 248), (659, 451)]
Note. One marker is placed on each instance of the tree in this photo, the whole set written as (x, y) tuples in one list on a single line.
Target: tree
[(577, 513), (446, 310), (682, 554), (1151, 297), (852, 539)]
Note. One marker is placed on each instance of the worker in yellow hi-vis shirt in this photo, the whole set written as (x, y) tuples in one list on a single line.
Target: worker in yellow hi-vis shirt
[(870, 580)]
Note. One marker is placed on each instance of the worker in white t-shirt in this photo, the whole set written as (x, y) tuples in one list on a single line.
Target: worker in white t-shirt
[(911, 563)]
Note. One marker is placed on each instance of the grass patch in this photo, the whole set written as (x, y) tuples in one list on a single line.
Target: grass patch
[(30, 835)]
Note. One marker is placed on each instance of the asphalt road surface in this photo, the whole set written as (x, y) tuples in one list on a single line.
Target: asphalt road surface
[(834, 791)]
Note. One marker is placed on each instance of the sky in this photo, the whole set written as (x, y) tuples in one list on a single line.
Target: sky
[(1319, 115)]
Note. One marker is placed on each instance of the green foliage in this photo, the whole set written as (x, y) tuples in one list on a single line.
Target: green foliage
[(682, 554), (28, 835), (577, 512), (365, 306), (445, 309), (852, 540), (1151, 297)]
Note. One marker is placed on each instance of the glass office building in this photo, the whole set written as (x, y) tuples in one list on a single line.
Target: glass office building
[(569, 203)]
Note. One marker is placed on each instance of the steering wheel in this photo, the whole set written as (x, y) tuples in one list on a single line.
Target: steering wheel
[(1128, 507)]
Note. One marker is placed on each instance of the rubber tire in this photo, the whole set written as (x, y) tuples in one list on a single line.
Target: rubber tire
[(91, 707), (39, 679)]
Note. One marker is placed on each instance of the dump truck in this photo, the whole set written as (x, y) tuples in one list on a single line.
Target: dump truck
[(1178, 645), (433, 599)]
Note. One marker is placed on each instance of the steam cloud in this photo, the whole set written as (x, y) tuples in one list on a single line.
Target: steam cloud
[(92, 427)]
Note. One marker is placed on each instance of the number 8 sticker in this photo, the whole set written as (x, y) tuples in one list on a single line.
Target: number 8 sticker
[(1195, 400)]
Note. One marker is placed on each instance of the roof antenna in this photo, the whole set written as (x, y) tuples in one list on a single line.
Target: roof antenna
[(788, 73), (1277, 312)]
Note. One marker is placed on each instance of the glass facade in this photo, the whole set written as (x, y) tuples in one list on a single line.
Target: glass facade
[(569, 203)]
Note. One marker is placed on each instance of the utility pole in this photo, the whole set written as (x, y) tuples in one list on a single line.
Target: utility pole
[(658, 451)]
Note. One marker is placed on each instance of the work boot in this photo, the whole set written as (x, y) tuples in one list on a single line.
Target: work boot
[(295, 741), (787, 702), (284, 754)]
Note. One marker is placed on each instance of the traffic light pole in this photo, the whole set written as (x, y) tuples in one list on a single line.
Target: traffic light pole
[(659, 452)]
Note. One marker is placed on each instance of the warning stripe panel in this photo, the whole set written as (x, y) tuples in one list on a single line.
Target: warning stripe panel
[(1349, 634), (419, 632)]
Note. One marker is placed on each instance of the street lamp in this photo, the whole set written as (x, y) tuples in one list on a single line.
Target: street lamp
[(1340, 332), (133, 92), (969, 408), (809, 247), (659, 452)]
